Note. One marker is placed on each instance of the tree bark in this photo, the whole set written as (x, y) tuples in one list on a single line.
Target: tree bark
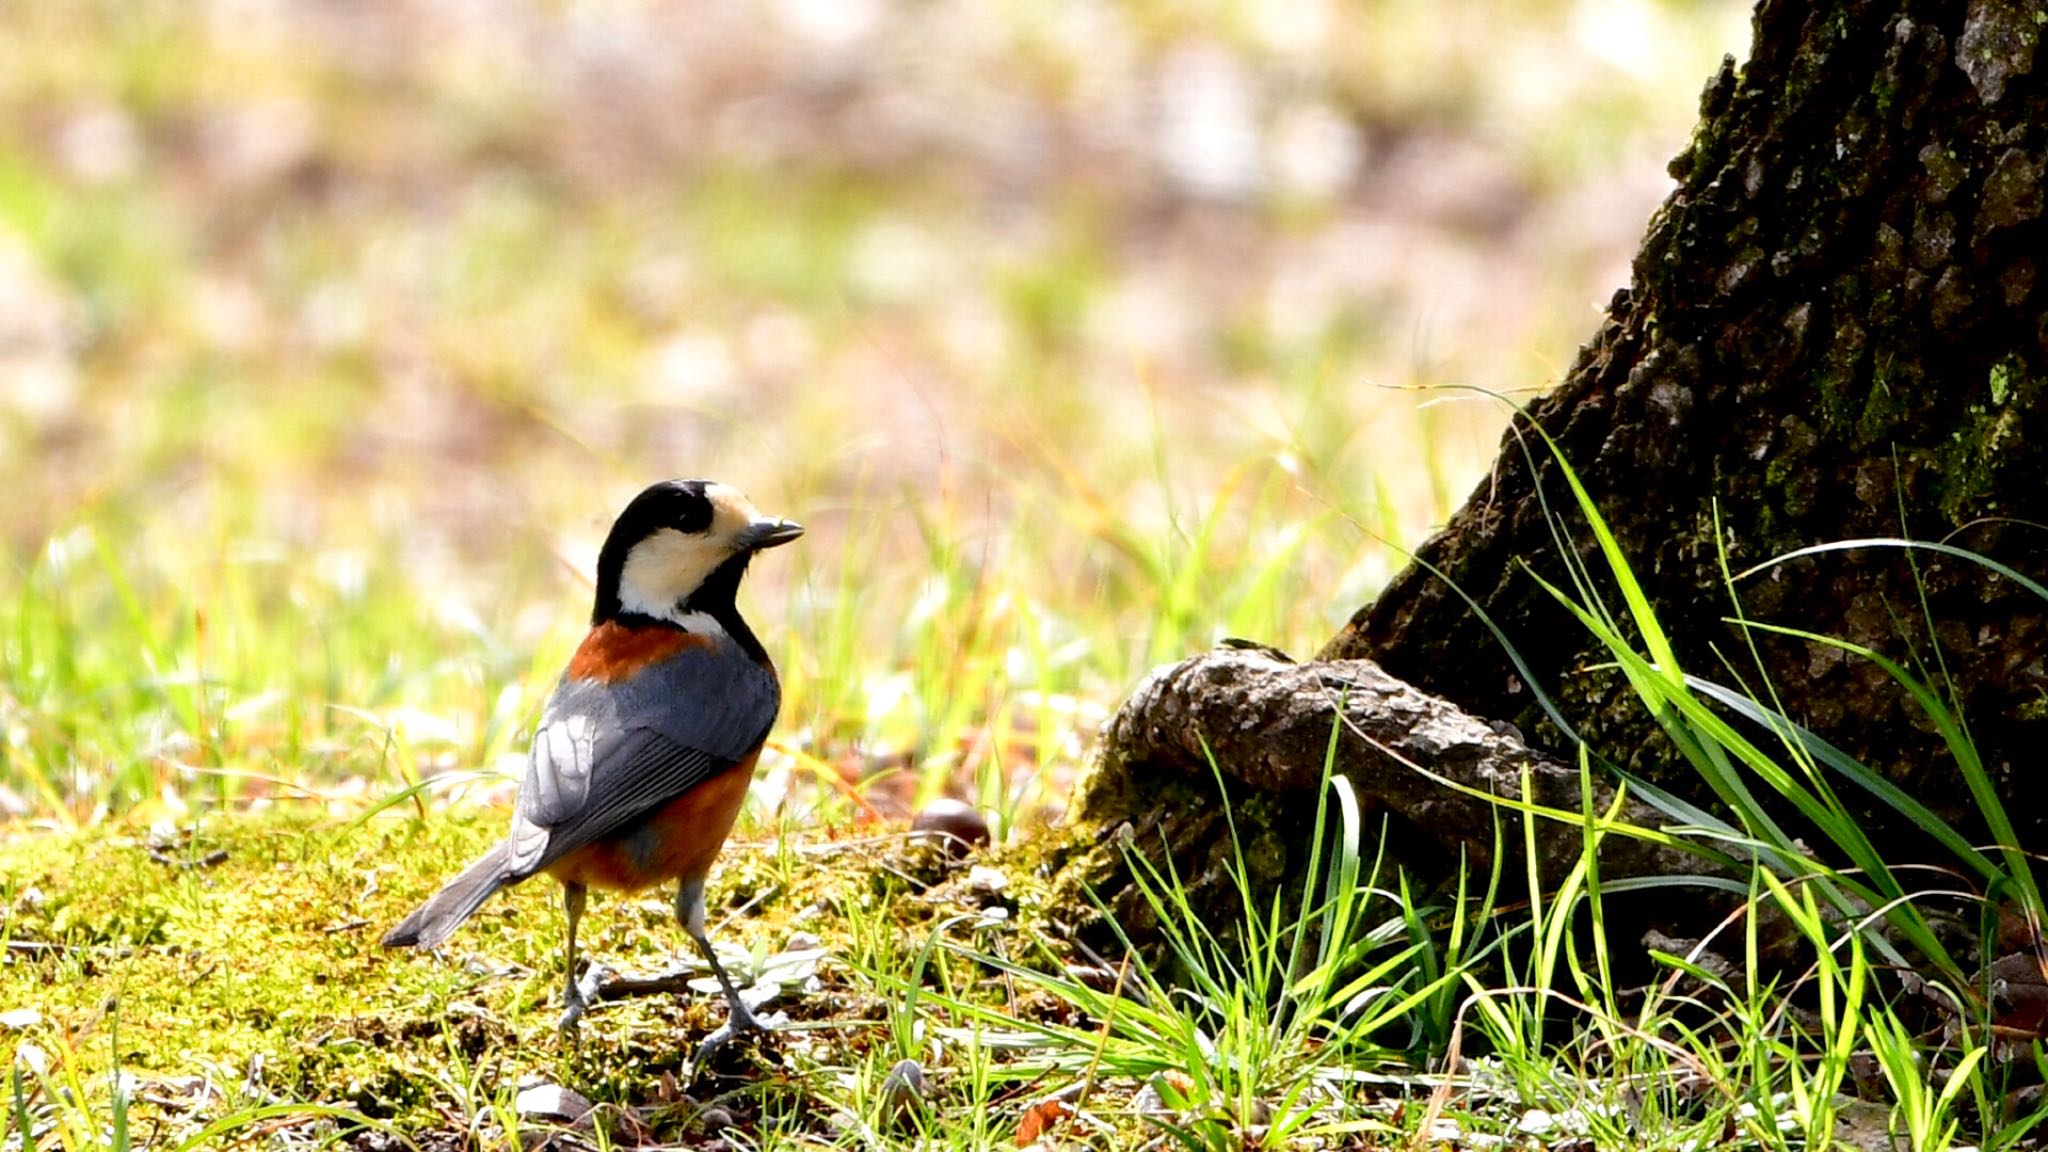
[(1423, 770), (1835, 331)]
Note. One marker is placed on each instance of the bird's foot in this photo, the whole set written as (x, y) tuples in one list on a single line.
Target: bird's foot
[(741, 1019), (571, 1024), (577, 997)]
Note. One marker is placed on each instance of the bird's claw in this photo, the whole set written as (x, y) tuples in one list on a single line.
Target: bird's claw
[(577, 998), (741, 1019), (570, 1025)]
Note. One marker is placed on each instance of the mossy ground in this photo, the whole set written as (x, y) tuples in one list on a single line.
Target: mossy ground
[(236, 962)]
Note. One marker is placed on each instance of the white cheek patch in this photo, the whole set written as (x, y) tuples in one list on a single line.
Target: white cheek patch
[(665, 568)]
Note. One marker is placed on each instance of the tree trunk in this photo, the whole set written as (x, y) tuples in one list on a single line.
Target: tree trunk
[(1834, 331)]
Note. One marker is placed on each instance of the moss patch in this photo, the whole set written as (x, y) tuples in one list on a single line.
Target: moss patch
[(247, 952), (236, 964)]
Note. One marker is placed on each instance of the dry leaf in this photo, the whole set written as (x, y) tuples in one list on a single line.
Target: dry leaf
[(1039, 1119)]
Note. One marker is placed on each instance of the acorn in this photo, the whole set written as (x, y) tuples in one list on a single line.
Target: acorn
[(957, 827)]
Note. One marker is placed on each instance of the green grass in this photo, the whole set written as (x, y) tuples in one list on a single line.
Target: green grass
[(247, 952), (1324, 1015), (1802, 1040)]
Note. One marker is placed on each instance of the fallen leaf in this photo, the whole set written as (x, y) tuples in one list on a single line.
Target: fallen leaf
[(20, 1019), (551, 1102), (1039, 1118)]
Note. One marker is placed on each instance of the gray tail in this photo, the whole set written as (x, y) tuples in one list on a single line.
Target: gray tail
[(445, 910)]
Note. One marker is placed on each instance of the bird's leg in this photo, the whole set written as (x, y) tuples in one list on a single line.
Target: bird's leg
[(739, 1017), (574, 1000), (690, 912)]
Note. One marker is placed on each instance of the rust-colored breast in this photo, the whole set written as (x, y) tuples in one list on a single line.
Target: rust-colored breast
[(613, 651), (680, 839)]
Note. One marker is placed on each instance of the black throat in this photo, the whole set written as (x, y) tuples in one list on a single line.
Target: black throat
[(717, 597)]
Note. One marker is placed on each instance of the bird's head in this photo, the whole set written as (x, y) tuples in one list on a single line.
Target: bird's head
[(680, 549)]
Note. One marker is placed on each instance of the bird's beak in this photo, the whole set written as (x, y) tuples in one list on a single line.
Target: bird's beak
[(768, 533)]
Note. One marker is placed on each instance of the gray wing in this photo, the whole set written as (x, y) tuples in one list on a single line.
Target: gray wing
[(606, 755)]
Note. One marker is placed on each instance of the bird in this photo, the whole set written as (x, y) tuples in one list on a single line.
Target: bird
[(645, 748)]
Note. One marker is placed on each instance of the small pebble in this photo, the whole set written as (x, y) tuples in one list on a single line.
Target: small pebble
[(902, 1091), (715, 1119)]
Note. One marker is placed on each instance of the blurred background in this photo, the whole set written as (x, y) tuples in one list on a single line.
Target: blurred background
[(1081, 333)]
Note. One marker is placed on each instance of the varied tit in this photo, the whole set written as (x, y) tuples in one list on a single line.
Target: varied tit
[(645, 749)]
